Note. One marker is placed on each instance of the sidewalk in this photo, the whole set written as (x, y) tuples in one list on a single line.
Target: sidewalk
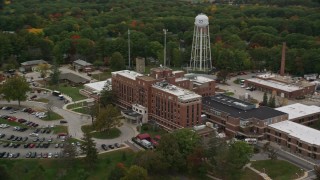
[(263, 175)]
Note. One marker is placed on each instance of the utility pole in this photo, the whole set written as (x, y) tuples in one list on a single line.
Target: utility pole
[(129, 48), (165, 47)]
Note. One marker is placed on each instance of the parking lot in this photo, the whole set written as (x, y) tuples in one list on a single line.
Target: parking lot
[(25, 137)]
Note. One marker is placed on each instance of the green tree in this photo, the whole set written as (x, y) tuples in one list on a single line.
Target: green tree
[(55, 76), (69, 152), (118, 172), (222, 75), (88, 147), (107, 97), (15, 88), (169, 150), (265, 99), (151, 161), (117, 61), (108, 118), (187, 141), (272, 101), (136, 172)]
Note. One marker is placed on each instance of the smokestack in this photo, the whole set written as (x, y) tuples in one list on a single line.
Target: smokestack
[(283, 59)]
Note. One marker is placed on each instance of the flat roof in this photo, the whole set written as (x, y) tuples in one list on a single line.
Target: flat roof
[(82, 62), (182, 94), (34, 62), (238, 108), (147, 78), (197, 78), (275, 84), (127, 73), (304, 133), (298, 110), (100, 85)]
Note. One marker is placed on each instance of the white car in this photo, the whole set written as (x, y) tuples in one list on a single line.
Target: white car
[(4, 125), (50, 155), (243, 86), (34, 135)]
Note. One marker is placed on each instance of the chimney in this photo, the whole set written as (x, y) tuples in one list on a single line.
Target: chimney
[(283, 59)]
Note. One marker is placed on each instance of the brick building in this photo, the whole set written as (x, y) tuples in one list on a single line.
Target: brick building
[(302, 114), (237, 117), (283, 86), (167, 96), (296, 138)]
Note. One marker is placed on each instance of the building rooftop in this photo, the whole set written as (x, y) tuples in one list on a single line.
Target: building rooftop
[(179, 71), (304, 133), (82, 62), (298, 110), (34, 62), (100, 85), (197, 78), (238, 108), (182, 94), (147, 78), (127, 73), (275, 84)]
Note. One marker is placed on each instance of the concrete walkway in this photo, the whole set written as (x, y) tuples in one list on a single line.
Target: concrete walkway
[(263, 175)]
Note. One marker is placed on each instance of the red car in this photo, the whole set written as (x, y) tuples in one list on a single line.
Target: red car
[(12, 118), (32, 145)]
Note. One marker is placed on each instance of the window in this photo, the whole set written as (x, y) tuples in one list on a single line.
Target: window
[(314, 149), (289, 139)]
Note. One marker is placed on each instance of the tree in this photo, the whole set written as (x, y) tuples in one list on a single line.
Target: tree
[(93, 110), (108, 118), (117, 172), (169, 150), (228, 159), (272, 102), (151, 161), (136, 172), (55, 74), (69, 153), (15, 88), (107, 97), (117, 61), (222, 75), (43, 69), (272, 153), (265, 99), (88, 147), (187, 141), (317, 171)]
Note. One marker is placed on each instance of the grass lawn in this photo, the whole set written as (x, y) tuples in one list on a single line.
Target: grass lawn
[(73, 92), (76, 105), (59, 169), (52, 116), (80, 110), (44, 100), (113, 133), (248, 174), (147, 128), (11, 123), (60, 129), (278, 169), (102, 76), (229, 93)]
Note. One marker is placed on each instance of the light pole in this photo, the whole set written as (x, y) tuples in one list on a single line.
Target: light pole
[(129, 48), (165, 47)]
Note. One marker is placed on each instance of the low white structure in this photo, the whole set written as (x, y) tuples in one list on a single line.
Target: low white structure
[(97, 87), (141, 110), (297, 110), (297, 131)]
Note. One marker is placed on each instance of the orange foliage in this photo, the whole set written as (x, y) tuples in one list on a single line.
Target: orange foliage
[(35, 30)]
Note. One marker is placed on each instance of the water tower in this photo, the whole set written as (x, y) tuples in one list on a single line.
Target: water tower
[(201, 52)]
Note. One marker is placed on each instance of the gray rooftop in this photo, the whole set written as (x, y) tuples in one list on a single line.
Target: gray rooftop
[(73, 78), (82, 62), (34, 62)]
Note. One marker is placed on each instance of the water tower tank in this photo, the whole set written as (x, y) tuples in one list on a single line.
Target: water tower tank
[(202, 20)]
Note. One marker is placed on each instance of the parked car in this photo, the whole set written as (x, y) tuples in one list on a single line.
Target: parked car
[(117, 145), (104, 147), (63, 122), (34, 135), (111, 146)]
